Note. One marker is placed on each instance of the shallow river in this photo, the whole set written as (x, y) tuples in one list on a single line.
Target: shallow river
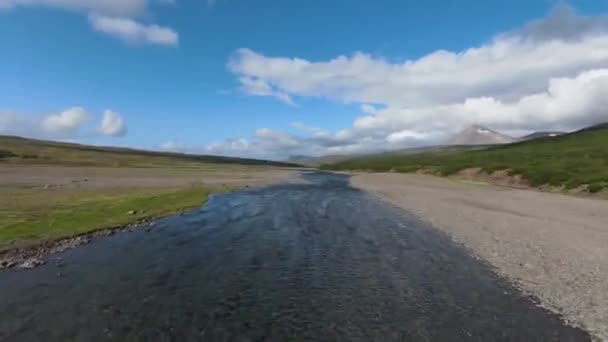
[(317, 261)]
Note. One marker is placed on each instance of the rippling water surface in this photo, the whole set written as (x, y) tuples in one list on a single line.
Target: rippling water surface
[(319, 261)]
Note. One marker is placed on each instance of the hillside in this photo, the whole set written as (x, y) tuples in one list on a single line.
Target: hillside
[(537, 135), (603, 125), (570, 160), (338, 158), (17, 150)]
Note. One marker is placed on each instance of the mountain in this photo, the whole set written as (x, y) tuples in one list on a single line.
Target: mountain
[(538, 135), (480, 135), (574, 161)]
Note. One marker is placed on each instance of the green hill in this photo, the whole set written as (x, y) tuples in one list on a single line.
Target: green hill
[(570, 160), (19, 150)]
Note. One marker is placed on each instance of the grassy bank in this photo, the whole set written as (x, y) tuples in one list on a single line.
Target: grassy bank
[(573, 160), (33, 215), (52, 190)]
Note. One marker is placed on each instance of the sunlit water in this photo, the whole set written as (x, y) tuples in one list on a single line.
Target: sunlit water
[(307, 262)]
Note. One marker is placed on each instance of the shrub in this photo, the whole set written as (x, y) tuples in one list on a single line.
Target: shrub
[(595, 187), (29, 156), (6, 154)]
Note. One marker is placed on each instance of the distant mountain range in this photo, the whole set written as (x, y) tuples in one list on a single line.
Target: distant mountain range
[(480, 135), (472, 137)]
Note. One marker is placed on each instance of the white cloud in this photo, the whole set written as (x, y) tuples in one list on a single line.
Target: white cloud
[(563, 23), (405, 135), (503, 69), (277, 145), (72, 123), (258, 87), (132, 31), (230, 147), (113, 17), (369, 109), (566, 103), (66, 123), (112, 124), (549, 74), (111, 7)]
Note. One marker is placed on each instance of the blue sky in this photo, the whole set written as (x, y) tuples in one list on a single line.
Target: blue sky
[(274, 78)]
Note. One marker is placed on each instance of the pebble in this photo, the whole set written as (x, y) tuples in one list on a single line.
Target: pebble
[(29, 264)]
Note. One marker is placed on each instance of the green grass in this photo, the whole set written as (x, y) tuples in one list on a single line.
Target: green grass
[(29, 216), (571, 160), (6, 154)]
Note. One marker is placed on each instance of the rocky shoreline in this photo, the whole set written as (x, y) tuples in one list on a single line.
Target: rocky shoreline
[(550, 246), (32, 256)]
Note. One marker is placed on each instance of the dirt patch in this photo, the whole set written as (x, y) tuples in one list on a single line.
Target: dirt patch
[(552, 246), (499, 178), (107, 177)]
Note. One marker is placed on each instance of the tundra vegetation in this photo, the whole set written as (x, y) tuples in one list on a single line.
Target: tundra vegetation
[(52, 190), (570, 161)]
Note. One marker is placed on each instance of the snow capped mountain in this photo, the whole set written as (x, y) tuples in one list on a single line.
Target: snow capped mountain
[(480, 135)]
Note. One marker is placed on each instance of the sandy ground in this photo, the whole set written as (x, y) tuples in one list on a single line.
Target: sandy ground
[(96, 177), (552, 246)]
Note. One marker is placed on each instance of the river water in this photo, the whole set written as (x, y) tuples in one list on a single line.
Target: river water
[(316, 261)]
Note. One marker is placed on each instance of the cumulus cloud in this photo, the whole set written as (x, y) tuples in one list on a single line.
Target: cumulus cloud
[(132, 31), (549, 74), (66, 123), (113, 17), (112, 124), (277, 145), (503, 69), (566, 103), (71, 123), (563, 23), (259, 87)]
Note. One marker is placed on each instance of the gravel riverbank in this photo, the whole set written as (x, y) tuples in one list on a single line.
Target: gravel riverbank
[(552, 246)]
